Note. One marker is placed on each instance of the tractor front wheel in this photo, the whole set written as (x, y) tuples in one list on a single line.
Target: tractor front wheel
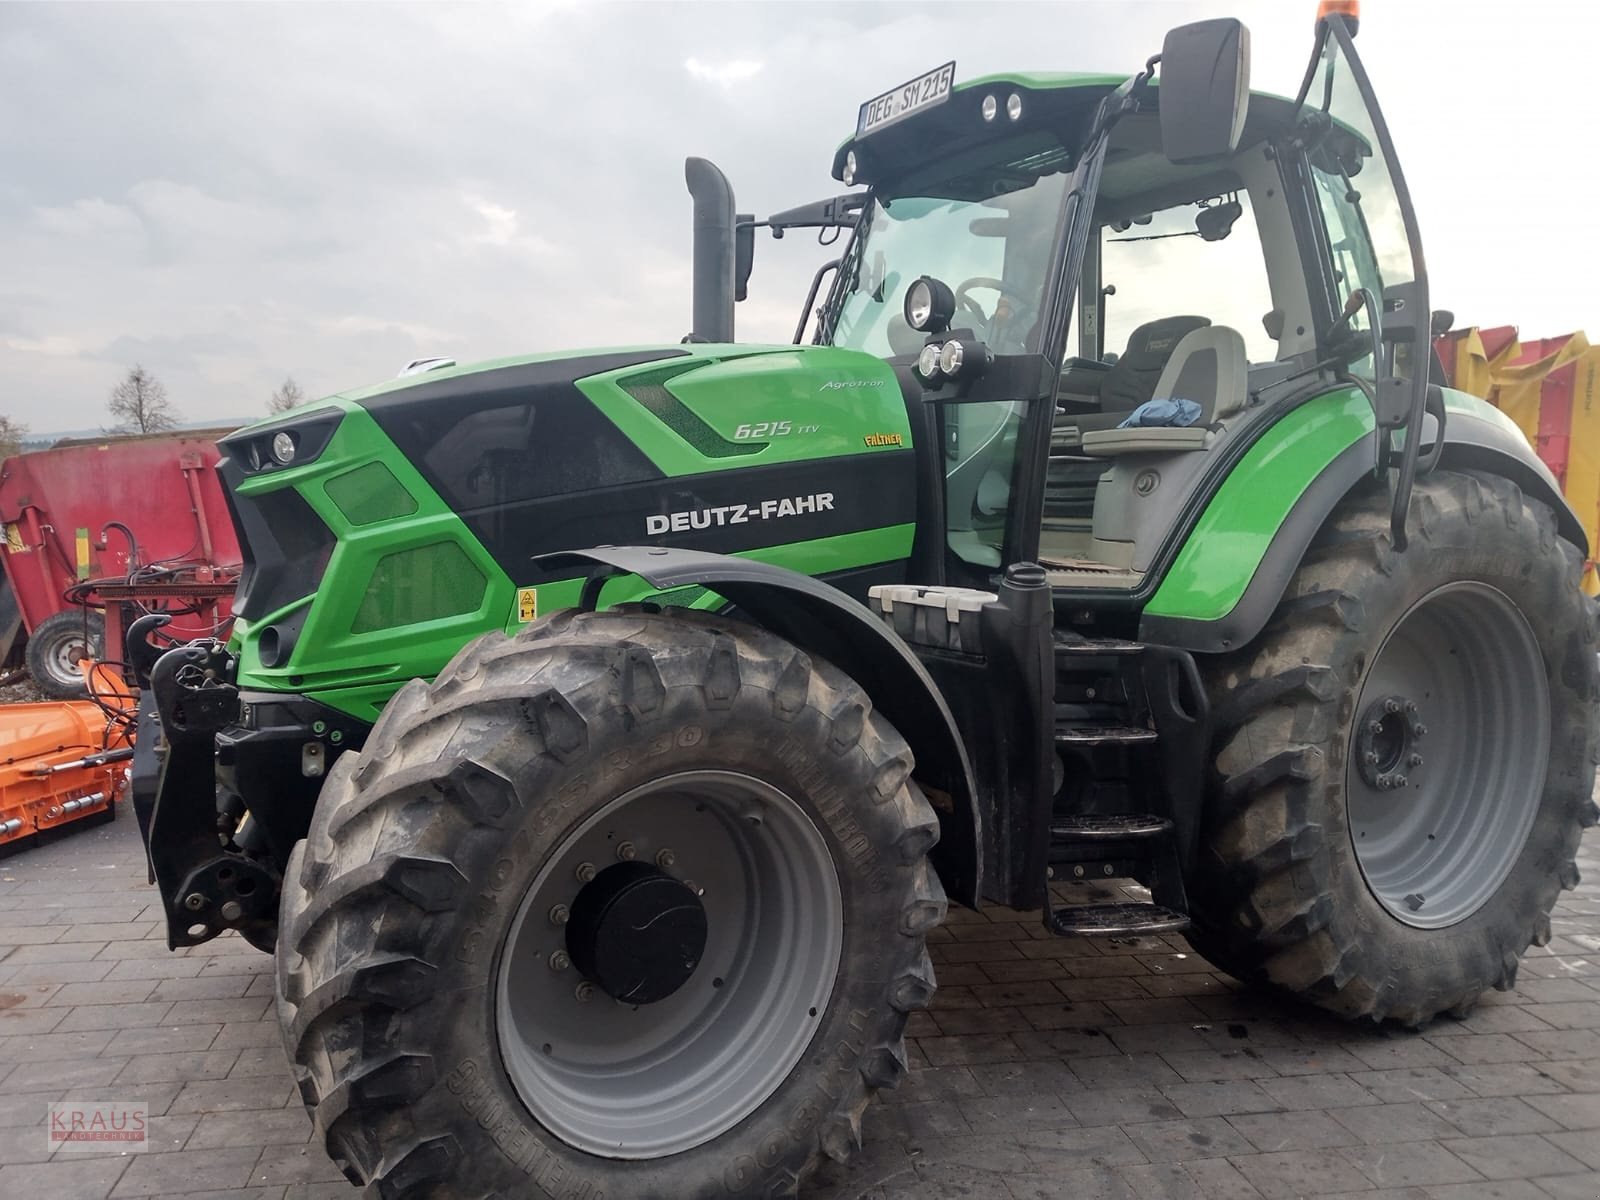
[(632, 904), (1405, 758)]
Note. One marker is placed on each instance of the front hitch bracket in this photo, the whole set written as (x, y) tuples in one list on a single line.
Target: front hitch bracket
[(205, 888)]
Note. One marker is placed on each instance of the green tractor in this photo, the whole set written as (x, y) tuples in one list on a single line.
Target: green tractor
[(601, 734)]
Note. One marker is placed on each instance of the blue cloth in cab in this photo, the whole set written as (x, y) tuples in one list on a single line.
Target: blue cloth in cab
[(1159, 414)]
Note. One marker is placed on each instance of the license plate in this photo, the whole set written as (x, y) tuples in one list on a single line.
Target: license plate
[(922, 92)]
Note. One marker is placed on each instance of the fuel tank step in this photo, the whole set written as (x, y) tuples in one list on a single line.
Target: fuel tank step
[(1103, 735), (1088, 647), (1116, 920), (1108, 827)]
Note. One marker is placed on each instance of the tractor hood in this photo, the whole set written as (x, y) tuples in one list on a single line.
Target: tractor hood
[(383, 528)]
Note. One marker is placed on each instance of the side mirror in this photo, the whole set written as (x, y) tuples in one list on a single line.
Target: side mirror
[(744, 253), (1204, 89)]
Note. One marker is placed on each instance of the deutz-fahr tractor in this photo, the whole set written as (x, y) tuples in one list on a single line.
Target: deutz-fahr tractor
[(601, 734)]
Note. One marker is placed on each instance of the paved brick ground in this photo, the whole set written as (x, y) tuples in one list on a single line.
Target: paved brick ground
[(1050, 1068)]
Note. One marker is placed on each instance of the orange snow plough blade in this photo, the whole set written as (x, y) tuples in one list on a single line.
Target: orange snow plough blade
[(65, 762)]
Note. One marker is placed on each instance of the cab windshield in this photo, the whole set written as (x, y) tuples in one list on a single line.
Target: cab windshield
[(994, 252)]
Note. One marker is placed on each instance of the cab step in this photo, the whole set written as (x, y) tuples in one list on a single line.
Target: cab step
[(1103, 735), (1090, 647), (1115, 920), (1093, 827)]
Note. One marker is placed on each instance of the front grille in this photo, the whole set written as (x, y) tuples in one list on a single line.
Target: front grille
[(285, 547)]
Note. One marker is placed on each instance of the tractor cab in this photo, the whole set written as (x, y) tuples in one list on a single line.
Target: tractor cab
[(1097, 291)]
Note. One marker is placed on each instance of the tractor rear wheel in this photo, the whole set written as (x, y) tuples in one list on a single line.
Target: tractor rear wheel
[(631, 904), (56, 646), (1405, 758)]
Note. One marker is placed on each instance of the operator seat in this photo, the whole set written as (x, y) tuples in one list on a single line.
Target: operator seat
[(1208, 367), (1071, 479)]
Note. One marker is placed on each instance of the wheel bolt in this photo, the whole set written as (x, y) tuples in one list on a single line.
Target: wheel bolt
[(1077, 872), (559, 961), (1106, 870), (1385, 783), (1372, 757), (1375, 727), (1419, 730), (666, 858), (584, 992), (1391, 706), (627, 852), (1415, 760), (694, 887), (1411, 708), (194, 901), (1400, 781), (559, 915), (585, 872)]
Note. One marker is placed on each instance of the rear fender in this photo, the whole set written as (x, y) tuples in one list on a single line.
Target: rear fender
[(822, 620), (1231, 572)]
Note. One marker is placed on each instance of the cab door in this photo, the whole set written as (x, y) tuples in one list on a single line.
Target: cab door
[(1371, 251)]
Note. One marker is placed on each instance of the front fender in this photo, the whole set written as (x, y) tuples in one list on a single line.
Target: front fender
[(1236, 562), (820, 619)]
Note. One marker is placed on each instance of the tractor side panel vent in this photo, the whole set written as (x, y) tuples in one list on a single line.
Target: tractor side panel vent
[(370, 494), (424, 583), (650, 390)]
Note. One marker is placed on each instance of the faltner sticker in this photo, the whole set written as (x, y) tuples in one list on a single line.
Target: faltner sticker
[(738, 514), (527, 604)]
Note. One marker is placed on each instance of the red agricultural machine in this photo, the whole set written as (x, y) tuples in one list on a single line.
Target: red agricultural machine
[(98, 533), (116, 526)]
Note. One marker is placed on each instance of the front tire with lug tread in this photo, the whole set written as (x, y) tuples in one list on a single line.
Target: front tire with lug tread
[(402, 910)]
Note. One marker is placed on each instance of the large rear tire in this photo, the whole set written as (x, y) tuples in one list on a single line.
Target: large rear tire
[(631, 904), (56, 646), (1405, 758)]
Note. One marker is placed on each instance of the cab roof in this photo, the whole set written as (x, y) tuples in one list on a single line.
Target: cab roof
[(1056, 110)]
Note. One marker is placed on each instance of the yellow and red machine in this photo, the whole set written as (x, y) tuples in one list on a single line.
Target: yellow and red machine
[(1550, 387), (64, 763)]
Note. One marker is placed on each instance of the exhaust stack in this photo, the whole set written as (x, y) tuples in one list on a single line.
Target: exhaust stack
[(713, 251)]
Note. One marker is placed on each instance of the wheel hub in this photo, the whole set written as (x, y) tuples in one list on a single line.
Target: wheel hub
[(636, 932), (1387, 738)]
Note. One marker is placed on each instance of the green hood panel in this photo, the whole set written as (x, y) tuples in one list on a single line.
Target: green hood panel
[(732, 407), (413, 527)]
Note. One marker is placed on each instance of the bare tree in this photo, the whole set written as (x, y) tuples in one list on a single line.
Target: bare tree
[(12, 433), (286, 397), (140, 404)]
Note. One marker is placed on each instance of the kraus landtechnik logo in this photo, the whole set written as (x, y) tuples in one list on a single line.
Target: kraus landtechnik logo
[(104, 1126)]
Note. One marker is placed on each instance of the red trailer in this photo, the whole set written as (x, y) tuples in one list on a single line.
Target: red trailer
[(136, 522)]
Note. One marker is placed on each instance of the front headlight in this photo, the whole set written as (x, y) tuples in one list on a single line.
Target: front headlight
[(283, 447)]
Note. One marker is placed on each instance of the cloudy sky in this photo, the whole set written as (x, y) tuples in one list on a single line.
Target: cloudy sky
[(232, 193)]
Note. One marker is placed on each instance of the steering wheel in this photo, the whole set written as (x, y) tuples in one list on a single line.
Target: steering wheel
[(1021, 308)]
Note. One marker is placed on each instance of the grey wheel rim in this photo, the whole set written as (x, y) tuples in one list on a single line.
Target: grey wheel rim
[(1448, 755), (63, 655), (644, 1081)]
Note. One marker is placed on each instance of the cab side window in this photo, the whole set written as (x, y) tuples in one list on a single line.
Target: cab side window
[(1366, 244)]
